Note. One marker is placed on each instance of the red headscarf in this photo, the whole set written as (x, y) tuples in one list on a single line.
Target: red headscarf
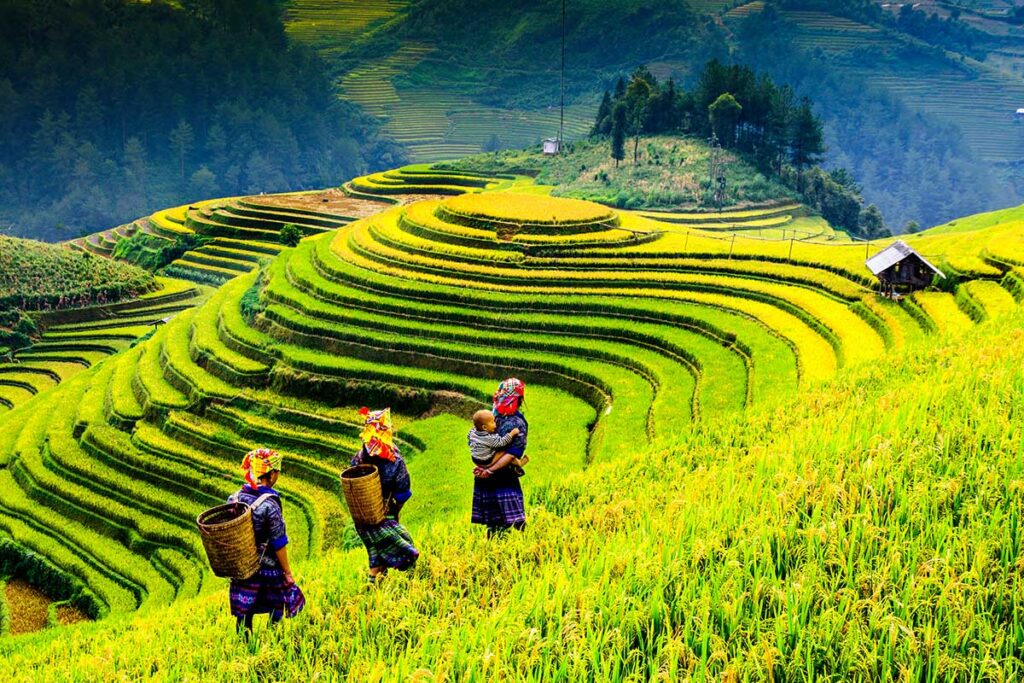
[(509, 396)]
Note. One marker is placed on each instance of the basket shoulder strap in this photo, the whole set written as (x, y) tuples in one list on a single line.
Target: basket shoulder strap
[(262, 499)]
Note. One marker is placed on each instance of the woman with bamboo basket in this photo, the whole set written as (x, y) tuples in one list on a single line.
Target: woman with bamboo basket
[(272, 589), (387, 542)]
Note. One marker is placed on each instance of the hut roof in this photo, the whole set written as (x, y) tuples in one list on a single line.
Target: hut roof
[(893, 254)]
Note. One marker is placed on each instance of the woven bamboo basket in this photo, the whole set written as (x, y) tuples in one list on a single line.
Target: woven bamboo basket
[(361, 485), (229, 540)]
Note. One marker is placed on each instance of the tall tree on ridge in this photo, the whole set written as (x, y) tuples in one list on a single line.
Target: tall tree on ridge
[(603, 120), (638, 97), (808, 140), (619, 123), (724, 115)]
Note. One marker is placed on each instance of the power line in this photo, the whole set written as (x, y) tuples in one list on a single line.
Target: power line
[(561, 122)]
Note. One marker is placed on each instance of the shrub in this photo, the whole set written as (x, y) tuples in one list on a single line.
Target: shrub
[(290, 234)]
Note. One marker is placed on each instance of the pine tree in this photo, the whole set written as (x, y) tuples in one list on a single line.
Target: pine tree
[(638, 99), (603, 121), (619, 125), (181, 140), (872, 224), (620, 89), (807, 142)]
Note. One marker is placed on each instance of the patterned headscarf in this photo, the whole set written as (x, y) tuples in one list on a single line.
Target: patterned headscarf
[(509, 395), (258, 462), (378, 435)]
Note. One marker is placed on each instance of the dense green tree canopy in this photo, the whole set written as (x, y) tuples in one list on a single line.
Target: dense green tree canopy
[(110, 109)]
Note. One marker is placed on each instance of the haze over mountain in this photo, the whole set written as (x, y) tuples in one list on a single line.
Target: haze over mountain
[(222, 98)]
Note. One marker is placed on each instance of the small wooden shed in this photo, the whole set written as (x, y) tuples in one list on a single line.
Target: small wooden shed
[(900, 267), (552, 146)]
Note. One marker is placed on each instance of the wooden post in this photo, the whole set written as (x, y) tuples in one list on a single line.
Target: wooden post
[(732, 244), (790, 257), (867, 250), (686, 243)]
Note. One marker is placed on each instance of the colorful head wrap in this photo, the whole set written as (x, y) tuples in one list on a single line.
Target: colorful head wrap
[(378, 435), (258, 462), (509, 395)]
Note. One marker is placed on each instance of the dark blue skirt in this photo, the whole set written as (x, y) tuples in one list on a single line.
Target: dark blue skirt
[(498, 502), (265, 593)]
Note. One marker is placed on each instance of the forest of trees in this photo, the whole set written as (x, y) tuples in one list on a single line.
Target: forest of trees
[(951, 33), (740, 110), (111, 109)]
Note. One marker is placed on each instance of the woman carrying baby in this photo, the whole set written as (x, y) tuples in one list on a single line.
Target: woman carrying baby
[(498, 500)]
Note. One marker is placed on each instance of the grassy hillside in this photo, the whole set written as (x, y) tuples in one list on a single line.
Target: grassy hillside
[(673, 364), (671, 172), (427, 75), (34, 275)]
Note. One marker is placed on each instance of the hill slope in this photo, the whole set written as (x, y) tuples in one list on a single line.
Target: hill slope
[(786, 544), (445, 87), (636, 336)]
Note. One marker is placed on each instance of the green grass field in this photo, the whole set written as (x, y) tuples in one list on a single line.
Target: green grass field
[(827, 504)]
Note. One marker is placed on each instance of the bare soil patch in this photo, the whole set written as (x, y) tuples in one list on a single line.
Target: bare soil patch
[(67, 615), (28, 607), (329, 201)]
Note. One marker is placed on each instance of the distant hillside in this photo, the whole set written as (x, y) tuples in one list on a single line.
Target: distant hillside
[(446, 87), (112, 109), (928, 131)]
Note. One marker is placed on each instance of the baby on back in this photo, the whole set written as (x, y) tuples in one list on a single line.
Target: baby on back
[(487, 448)]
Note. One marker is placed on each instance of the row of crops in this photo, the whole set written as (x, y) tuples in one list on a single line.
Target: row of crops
[(75, 340), (629, 333), (433, 124), (631, 330)]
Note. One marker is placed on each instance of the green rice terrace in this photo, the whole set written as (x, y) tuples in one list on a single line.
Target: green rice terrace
[(746, 464), (977, 97)]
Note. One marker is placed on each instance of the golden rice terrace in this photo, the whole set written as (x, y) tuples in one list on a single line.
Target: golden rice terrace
[(631, 332)]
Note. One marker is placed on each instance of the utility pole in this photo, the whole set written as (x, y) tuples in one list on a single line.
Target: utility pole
[(561, 120)]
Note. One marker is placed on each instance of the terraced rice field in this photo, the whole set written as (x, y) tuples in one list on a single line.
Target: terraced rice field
[(328, 24), (628, 332), (980, 102), (776, 222), (745, 10), (243, 232), (434, 124), (76, 339), (102, 243), (977, 98), (370, 85), (712, 6)]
